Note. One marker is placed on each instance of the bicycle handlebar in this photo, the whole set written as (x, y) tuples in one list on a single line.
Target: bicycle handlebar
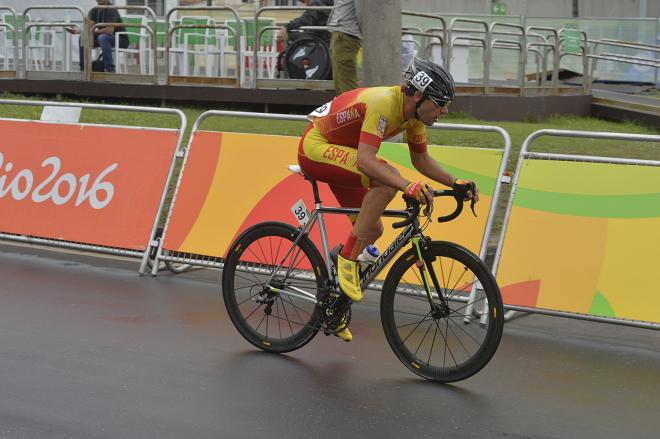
[(413, 207)]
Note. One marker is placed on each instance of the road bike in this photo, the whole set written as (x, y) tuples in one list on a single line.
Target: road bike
[(280, 291)]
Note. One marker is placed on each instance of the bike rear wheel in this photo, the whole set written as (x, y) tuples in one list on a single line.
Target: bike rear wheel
[(440, 346), (271, 321)]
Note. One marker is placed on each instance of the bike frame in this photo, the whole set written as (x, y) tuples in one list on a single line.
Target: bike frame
[(374, 269), (410, 233)]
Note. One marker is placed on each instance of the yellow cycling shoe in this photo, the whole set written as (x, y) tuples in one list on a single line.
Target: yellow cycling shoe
[(349, 278), (343, 332)]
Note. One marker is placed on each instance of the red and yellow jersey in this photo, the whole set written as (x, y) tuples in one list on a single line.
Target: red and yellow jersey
[(368, 115)]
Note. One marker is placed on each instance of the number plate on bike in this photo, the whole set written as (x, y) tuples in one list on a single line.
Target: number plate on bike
[(301, 212)]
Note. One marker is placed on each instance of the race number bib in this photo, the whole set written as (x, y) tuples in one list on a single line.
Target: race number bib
[(421, 80), (300, 212), (323, 110)]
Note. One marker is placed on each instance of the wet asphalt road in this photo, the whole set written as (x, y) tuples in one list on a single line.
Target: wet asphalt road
[(89, 349)]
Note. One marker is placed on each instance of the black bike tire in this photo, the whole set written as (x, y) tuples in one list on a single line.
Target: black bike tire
[(496, 312), (283, 230)]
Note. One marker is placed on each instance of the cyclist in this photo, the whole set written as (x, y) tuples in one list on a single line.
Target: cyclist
[(339, 147)]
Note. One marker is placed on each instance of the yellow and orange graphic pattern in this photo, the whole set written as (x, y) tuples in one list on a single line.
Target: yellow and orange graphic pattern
[(584, 238)]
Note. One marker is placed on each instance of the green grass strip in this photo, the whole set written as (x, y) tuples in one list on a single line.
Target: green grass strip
[(593, 206)]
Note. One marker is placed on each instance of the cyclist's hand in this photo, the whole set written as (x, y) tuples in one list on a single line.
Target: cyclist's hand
[(467, 187), (419, 191)]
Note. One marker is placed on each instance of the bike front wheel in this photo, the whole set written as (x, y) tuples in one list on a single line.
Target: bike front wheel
[(437, 344), (264, 257)]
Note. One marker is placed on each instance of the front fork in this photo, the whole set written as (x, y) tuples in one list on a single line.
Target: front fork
[(425, 267)]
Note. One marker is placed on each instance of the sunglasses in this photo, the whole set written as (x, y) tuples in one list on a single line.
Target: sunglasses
[(440, 103)]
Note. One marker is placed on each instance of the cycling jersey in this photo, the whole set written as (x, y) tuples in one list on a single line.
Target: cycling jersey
[(328, 148), (368, 115)]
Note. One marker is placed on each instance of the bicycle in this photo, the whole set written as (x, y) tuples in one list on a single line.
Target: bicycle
[(279, 291)]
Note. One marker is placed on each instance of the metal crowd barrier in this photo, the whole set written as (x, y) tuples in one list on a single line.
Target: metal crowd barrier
[(484, 41), (89, 246), (236, 33), (525, 154), (443, 30), (556, 49), (520, 45), (28, 26), (5, 27), (482, 33), (615, 57)]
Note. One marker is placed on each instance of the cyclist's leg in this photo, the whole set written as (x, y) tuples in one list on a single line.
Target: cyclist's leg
[(349, 197), (336, 165), (368, 223)]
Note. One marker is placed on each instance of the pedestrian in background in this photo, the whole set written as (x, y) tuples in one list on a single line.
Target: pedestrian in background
[(345, 26)]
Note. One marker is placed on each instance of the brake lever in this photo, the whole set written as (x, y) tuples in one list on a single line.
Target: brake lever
[(428, 210), (472, 203)]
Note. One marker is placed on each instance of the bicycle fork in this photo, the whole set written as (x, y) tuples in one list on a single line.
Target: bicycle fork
[(425, 267)]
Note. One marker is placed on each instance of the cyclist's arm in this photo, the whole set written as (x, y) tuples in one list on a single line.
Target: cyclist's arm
[(427, 165), (372, 167)]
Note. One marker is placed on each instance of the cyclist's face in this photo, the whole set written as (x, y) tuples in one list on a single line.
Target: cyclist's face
[(429, 112)]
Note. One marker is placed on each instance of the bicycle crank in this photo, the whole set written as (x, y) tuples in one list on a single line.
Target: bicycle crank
[(334, 312)]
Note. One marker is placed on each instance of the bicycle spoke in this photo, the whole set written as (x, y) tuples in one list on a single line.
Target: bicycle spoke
[(447, 348), (455, 311), (295, 307), (404, 340), (459, 340), (277, 308), (409, 313), (262, 320), (250, 297), (287, 316), (422, 340), (258, 282), (415, 323), (442, 273), (435, 333), (465, 332), (259, 305), (294, 261), (261, 249), (277, 254), (451, 269), (456, 284), (304, 325)]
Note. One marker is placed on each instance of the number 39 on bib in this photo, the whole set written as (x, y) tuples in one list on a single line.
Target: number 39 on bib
[(421, 80), (301, 212)]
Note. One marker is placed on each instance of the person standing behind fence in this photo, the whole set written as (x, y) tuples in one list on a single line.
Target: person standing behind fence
[(104, 37), (345, 26)]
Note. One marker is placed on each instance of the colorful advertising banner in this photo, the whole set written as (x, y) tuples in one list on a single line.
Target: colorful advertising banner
[(90, 184), (584, 238), (232, 181)]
